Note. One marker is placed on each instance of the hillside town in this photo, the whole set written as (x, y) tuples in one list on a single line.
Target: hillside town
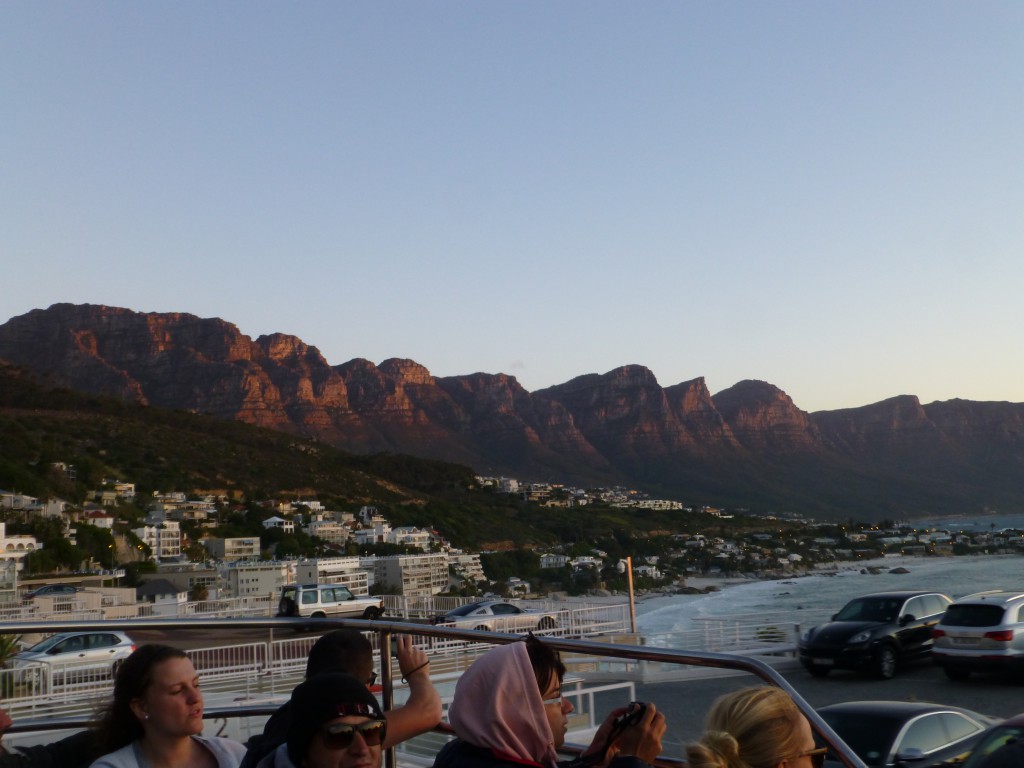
[(177, 551)]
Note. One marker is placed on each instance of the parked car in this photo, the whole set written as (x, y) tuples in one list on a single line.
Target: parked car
[(316, 601), (499, 616), (983, 632), (874, 633), (898, 733), (74, 656), (1009, 734), (51, 590)]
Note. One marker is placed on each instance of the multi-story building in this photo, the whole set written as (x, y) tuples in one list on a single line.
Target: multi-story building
[(411, 537), (287, 526), (467, 566), (233, 549), (413, 575), (14, 548), (163, 539), (348, 571), (254, 579), (329, 530)]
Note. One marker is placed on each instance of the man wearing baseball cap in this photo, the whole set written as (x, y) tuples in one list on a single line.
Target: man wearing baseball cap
[(335, 723)]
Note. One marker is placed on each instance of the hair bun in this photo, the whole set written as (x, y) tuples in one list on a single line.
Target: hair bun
[(716, 749)]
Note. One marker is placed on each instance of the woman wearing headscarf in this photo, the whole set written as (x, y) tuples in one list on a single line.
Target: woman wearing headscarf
[(509, 711)]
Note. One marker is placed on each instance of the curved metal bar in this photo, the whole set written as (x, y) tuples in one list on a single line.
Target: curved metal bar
[(387, 628)]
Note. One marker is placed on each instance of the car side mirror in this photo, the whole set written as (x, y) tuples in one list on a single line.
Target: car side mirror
[(906, 618), (909, 755)]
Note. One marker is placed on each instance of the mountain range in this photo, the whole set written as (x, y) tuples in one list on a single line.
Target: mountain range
[(747, 446)]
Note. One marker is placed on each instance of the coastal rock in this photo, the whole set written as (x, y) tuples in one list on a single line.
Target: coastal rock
[(899, 569)]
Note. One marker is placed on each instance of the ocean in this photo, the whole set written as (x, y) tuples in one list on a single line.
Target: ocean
[(811, 599)]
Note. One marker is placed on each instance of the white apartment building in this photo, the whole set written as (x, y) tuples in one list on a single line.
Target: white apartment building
[(14, 548), (348, 571), (411, 537), (329, 530), (553, 561), (253, 579), (99, 518), (287, 526), (413, 575), (234, 549), (163, 539), (467, 566), (376, 530)]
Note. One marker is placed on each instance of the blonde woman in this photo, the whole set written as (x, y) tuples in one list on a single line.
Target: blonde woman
[(759, 727)]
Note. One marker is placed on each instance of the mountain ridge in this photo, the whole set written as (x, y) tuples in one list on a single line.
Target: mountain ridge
[(747, 445)]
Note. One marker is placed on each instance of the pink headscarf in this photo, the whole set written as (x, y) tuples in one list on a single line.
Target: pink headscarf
[(498, 705)]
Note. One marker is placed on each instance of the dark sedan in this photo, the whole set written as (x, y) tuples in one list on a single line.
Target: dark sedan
[(1002, 746), (897, 733), (874, 633)]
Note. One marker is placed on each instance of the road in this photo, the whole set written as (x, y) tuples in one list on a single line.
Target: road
[(685, 703)]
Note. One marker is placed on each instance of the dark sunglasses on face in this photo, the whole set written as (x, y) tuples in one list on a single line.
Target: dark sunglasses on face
[(817, 756), (340, 735)]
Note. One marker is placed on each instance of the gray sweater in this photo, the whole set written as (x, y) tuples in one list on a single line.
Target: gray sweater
[(229, 754)]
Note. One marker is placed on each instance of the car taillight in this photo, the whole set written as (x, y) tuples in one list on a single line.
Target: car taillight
[(1002, 636), (133, 647), (936, 633)]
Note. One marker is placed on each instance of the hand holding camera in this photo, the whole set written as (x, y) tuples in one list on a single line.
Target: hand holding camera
[(632, 730), (640, 729)]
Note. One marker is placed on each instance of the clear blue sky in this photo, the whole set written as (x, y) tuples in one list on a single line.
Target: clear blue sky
[(826, 196)]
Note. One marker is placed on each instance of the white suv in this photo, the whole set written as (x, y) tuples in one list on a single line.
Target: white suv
[(981, 632), (317, 601)]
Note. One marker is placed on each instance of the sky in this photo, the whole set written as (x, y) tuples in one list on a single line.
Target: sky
[(826, 196)]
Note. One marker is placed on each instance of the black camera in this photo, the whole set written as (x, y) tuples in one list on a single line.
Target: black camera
[(633, 715)]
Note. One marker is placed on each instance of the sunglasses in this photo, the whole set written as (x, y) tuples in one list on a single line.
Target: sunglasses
[(817, 756), (340, 735)]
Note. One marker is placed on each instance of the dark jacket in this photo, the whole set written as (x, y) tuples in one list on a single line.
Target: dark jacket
[(275, 733), (76, 751), (462, 754)]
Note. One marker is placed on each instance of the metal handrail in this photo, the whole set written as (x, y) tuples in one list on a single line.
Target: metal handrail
[(385, 629)]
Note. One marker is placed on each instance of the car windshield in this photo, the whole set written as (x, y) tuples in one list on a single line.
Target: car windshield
[(869, 736), (883, 609), (464, 610), (47, 644)]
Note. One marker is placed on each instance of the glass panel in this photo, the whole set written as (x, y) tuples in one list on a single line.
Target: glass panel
[(926, 733)]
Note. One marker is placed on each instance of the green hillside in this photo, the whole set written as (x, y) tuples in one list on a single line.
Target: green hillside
[(162, 451)]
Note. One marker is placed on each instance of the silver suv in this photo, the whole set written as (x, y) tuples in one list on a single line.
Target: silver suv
[(979, 633), (317, 601)]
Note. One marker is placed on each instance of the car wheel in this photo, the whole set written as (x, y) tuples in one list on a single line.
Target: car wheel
[(318, 615), (885, 662), (547, 623), (372, 614), (957, 674)]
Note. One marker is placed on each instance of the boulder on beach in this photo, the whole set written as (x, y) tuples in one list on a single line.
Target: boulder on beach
[(899, 569)]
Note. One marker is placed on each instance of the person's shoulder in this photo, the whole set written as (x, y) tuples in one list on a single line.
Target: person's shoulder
[(122, 758), (234, 750)]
